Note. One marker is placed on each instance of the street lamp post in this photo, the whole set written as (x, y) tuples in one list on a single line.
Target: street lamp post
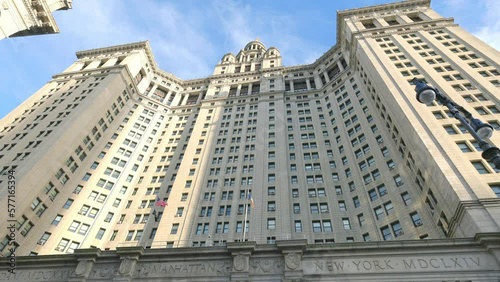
[(479, 130)]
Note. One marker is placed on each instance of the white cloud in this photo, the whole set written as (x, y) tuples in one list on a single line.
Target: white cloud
[(235, 22), (175, 37), (489, 29)]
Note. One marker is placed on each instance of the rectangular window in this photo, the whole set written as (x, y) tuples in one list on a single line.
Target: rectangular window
[(346, 223), (415, 217), (271, 223)]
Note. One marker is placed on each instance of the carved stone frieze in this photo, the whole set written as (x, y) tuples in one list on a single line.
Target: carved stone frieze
[(104, 271)]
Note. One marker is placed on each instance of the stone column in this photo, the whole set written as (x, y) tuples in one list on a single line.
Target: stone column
[(129, 256), (184, 99), (292, 252), (241, 252), (86, 259), (238, 90), (168, 97), (327, 78)]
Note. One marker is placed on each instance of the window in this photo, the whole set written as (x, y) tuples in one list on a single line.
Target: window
[(480, 167), (379, 212), (346, 223), (43, 239), (373, 195), (174, 229), (356, 202), (386, 233), (57, 219), (271, 191), (86, 177), (68, 204), (397, 229), (35, 203), (316, 225), (450, 130), (496, 189), (382, 190), (298, 226), (62, 245), (464, 147), (361, 219), (271, 223), (271, 178), (271, 206), (398, 180), (415, 217), (389, 207), (406, 198), (327, 226)]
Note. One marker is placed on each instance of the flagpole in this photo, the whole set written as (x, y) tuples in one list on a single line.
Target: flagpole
[(246, 214)]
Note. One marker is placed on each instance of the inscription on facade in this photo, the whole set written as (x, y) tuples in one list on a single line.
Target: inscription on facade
[(37, 275), (458, 263), (179, 269)]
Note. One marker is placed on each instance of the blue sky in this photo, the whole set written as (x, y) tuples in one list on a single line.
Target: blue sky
[(189, 37)]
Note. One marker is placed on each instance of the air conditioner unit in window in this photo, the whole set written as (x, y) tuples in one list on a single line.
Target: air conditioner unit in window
[(418, 224), (23, 232), (41, 242), (221, 214)]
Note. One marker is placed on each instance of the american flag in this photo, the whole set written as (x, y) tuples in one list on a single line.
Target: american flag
[(251, 200), (160, 202)]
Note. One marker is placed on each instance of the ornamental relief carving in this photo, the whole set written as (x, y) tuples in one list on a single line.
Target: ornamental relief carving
[(292, 260), (83, 267), (239, 262), (104, 271), (266, 265)]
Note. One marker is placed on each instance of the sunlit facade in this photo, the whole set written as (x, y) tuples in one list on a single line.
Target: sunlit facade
[(22, 18), (337, 151)]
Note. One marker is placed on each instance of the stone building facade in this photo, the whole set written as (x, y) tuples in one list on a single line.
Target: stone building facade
[(116, 154), (26, 17), (462, 260)]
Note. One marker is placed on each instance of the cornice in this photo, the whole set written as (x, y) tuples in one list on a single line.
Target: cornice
[(462, 208), (341, 15)]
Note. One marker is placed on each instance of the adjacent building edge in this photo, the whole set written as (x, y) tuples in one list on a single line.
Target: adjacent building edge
[(459, 259)]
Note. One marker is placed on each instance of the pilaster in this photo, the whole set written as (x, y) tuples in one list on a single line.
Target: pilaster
[(86, 259), (292, 251), (241, 253), (129, 256)]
